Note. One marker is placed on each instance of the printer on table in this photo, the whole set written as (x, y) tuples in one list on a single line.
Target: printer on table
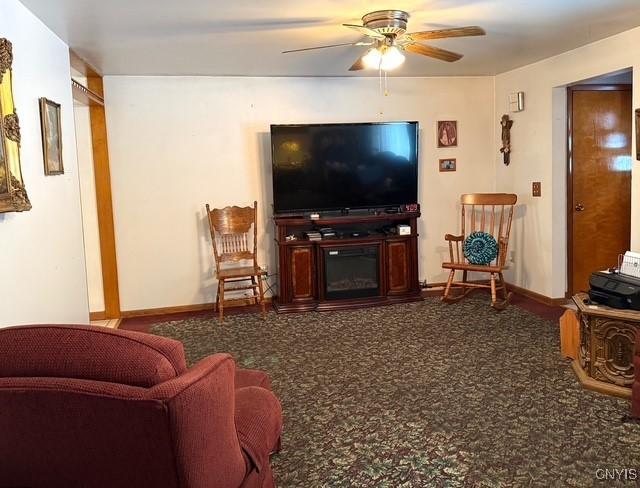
[(615, 289)]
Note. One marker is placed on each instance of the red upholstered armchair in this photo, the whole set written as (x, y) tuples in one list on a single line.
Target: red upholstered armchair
[(90, 407)]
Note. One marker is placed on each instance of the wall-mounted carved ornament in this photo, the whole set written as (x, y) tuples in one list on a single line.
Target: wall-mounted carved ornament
[(19, 197), (12, 127), (6, 56), (506, 125)]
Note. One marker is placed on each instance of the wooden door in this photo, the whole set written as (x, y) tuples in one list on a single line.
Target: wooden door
[(599, 180)]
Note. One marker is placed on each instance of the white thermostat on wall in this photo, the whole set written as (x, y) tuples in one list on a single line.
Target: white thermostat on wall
[(516, 102), (404, 230)]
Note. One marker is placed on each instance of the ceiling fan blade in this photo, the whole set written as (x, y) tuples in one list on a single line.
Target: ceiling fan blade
[(433, 52), (208, 27), (445, 33), (358, 65), (330, 45), (366, 31)]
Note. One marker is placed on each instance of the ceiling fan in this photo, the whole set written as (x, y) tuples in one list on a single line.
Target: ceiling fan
[(388, 32)]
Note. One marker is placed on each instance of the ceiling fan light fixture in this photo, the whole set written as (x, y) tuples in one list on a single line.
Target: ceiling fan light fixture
[(372, 59), (386, 58), (392, 58)]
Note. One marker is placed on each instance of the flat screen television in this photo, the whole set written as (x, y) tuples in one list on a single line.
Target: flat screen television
[(344, 166)]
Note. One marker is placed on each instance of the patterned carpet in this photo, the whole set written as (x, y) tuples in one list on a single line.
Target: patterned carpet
[(424, 395)]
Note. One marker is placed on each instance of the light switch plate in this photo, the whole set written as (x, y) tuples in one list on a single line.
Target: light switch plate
[(536, 189)]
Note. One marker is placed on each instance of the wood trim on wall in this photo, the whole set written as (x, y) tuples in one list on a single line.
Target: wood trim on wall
[(104, 203), (85, 96), (436, 289), (82, 66), (198, 307), (97, 316), (569, 197), (538, 297), (102, 176)]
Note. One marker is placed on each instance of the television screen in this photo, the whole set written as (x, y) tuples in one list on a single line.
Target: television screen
[(338, 166)]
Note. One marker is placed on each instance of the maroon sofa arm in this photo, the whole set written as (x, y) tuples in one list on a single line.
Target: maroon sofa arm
[(201, 404), (259, 424)]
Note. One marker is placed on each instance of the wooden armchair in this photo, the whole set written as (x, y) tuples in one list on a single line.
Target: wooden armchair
[(481, 212), (230, 228)]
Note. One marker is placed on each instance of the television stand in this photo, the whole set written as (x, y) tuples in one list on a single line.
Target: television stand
[(364, 264)]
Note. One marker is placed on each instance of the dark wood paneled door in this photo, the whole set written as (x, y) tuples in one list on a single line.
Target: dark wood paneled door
[(599, 180)]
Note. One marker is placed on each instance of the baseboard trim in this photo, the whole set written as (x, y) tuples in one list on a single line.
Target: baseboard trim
[(436, 289), (433, 290), (538, 297), (197, 307), (97, 315)]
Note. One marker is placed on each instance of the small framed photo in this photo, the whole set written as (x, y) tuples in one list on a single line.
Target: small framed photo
[(447, 133), (51, 137), (447, 165)]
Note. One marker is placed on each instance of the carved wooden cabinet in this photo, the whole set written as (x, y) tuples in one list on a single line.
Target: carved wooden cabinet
[(400, 276), (606, 347), (299, 270), (365, 265)]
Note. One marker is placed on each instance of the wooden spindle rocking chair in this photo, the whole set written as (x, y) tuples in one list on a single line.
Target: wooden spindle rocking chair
[(481, 212), (230, 228)]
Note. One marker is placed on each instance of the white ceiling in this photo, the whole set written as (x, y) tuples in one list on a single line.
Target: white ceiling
[(246, 37)]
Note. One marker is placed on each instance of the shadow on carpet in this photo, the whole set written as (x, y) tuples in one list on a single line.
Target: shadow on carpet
[(424, 395)]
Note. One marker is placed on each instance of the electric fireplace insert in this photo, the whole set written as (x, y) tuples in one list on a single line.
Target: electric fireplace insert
[(351, 272)]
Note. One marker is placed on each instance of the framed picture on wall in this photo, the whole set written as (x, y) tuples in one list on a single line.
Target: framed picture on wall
[(13, 194), (4, 170), (447, 133), (51, 137), (447, 165)]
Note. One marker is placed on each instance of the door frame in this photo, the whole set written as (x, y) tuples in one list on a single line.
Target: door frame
[(93, 96), (569, 203)]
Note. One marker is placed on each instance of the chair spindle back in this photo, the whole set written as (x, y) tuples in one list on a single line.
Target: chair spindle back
[(491, 213), (230, 228)]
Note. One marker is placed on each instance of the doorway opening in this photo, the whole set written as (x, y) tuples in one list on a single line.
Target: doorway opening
[(95, 192), (599, 163)]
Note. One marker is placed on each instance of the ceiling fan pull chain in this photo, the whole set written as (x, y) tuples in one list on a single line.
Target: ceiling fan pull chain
[(386, 85)]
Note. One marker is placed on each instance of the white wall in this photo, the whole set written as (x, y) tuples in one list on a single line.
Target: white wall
[(42, 258), (177, 143), (86, 176), (539, 140)]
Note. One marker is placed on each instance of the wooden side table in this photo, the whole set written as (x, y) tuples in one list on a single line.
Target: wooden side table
[(569, 334), (605, 353)]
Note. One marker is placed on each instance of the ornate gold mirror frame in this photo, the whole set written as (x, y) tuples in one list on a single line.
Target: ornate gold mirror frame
[(13, 196)]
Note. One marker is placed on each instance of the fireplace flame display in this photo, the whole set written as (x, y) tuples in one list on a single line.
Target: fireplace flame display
[(351, 272)]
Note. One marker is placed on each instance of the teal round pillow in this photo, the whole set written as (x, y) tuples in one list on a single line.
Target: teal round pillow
[(480, 248)]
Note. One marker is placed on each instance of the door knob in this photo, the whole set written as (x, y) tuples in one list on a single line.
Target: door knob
[(579, 207)]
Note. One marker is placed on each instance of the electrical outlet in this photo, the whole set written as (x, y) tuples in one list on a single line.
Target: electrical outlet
[(536, 189)]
